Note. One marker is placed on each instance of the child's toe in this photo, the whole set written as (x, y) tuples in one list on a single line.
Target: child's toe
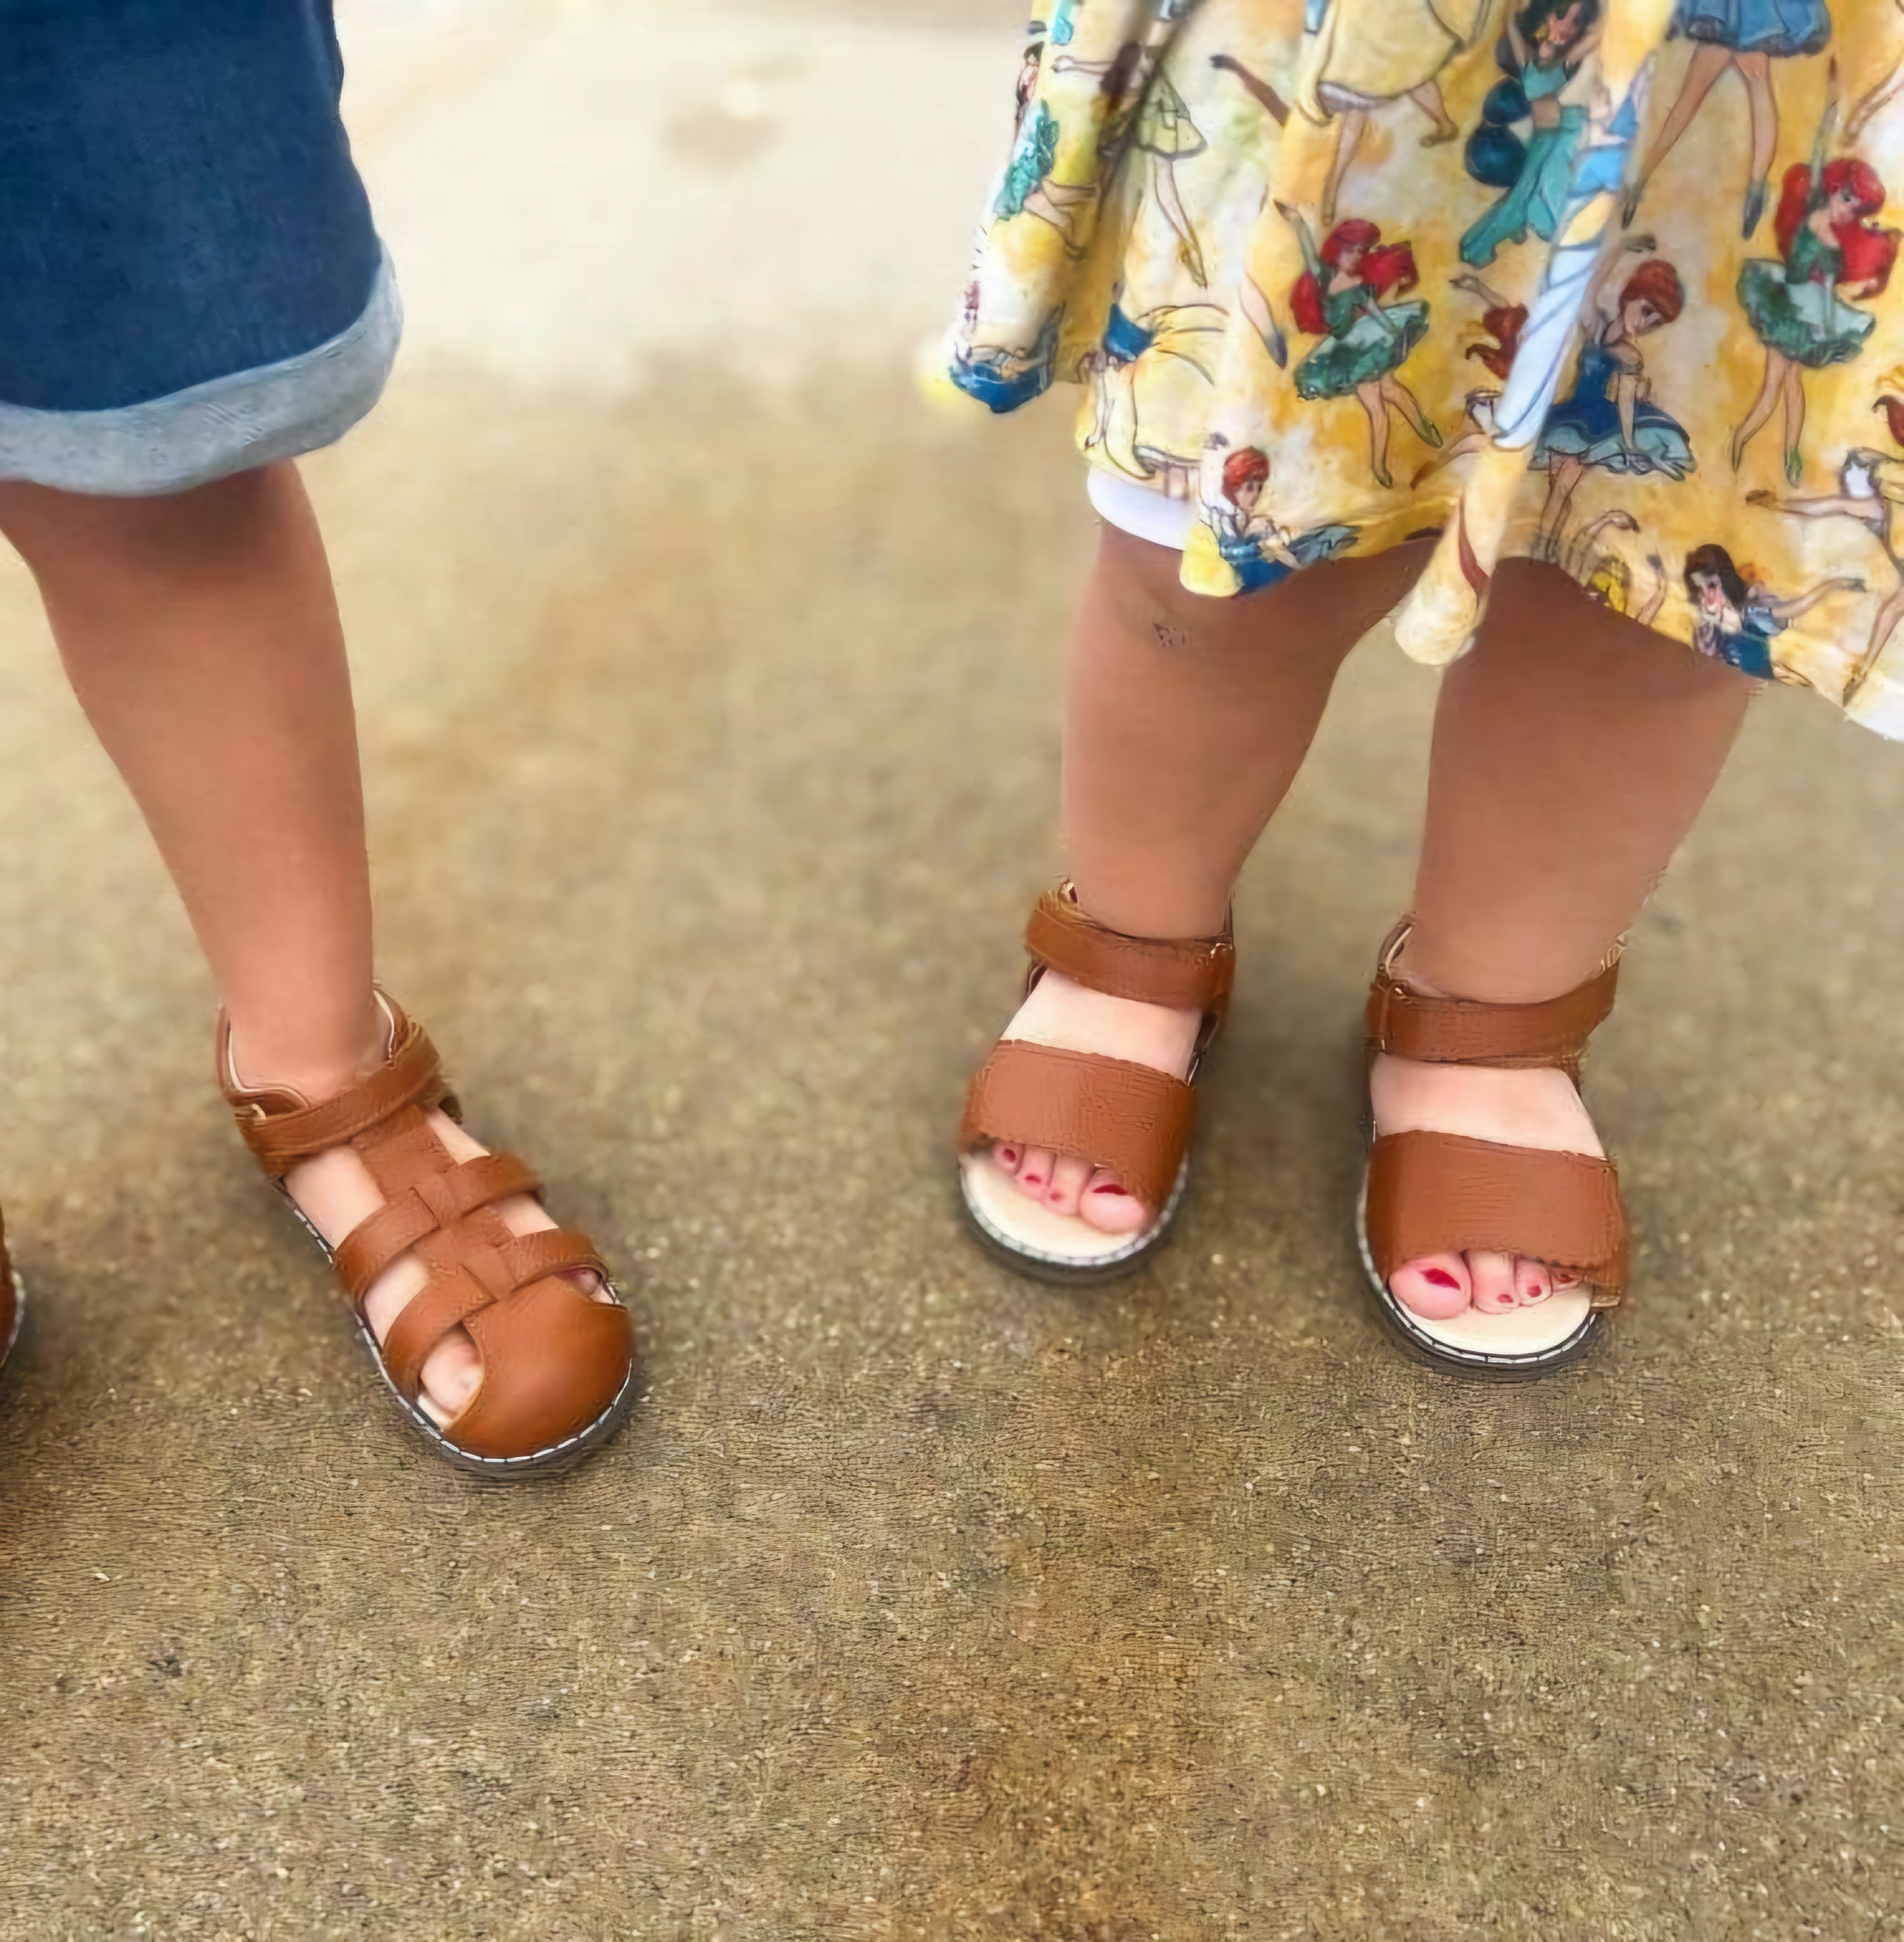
[(1493, 1278), (1436, 1287), (1110, 1208)]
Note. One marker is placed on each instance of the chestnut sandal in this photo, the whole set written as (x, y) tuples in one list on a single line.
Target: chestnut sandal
[(1131, 1120), (12, 1300), (559, 1367), (1431, 1193)]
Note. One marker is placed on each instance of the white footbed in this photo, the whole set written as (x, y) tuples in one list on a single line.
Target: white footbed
[(1519, 1335), (1016, 1221)]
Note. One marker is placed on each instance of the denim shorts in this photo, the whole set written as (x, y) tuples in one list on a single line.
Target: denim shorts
[(191, 284)]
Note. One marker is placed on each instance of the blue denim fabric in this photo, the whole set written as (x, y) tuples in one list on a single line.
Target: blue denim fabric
[(178, 204)]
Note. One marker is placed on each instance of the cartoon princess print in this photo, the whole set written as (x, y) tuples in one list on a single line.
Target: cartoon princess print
[(1004, 379), (1867, 496), (1546, 46), (1027, 188), (1742, 37), (1492, 343), (1187, 333), (1338, 298), (1261, 552), (1604, 573), (1608, 422), (1360, 55), (1736, 620), (1826, 244), (1144, 110)]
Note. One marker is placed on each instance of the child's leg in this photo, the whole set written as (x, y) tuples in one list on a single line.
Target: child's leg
[(201, 636), (1572, 749), (1186, 720)]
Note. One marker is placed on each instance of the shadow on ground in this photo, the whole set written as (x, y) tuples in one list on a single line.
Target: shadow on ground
[(915, 1601)]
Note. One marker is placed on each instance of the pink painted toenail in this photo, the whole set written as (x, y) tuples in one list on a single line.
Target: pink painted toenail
[(1111, 1187), (1008, 1155), (1034, 1179), (1439, 1278)]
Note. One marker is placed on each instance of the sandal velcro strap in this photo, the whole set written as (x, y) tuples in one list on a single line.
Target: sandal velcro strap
[(1131, 1120), (436, 1200), (1186, 974), (1465, 1031), (1440, 1193), (411, 1076)]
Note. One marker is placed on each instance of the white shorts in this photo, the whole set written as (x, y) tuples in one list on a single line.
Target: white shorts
[(1140, 510)]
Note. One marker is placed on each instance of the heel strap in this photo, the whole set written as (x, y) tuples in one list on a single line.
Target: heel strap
[(1193, 974), (1468, 1031)]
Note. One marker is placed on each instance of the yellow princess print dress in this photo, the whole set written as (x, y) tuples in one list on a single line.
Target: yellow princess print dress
[(1609, 283)]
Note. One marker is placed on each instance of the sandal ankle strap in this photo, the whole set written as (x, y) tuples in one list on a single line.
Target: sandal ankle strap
[(281, 1129), (1469, 1031), (1193, 974)]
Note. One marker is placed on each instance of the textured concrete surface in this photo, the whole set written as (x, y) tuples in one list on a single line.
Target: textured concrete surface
[(711, 730)]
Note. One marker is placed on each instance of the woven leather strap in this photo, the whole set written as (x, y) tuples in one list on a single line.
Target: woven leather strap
[(552, 1359), (1435, 1193), (1466, 1031), (1132, 1120), (1187, 974)]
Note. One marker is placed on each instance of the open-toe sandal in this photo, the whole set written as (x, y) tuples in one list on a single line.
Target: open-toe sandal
[(12, 1300), (1431, 1193), (558, 1365), (1131, 1121)]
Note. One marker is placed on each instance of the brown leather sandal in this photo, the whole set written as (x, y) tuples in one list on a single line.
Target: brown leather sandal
[(12, 1300), (1131, 1120), (1431, 1193), (559, 1367)]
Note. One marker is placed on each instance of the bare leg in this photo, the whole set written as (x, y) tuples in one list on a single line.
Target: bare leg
[(1709, 62), (1755, 70), (1348, 138), (1881, 630), (1397, 394), (1427, 98), (1572, 750), (1370, 397), (1564, 472), (1171, 201), (201, 637), (1777, 365), (1793, 390), (1186, 720)]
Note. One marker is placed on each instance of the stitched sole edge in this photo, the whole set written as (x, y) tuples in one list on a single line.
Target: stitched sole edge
[(555, 1459), (1474, 1362), (19, 1318), (1053, 1269)]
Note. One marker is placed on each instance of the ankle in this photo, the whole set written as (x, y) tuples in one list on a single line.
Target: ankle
[(316, 1060)]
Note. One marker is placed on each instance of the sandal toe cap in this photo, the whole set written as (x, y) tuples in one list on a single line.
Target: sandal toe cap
[(554, 1360)]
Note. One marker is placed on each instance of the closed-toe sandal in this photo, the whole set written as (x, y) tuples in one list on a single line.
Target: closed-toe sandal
[(558, 1365)]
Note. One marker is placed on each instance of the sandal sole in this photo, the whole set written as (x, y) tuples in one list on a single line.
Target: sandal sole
[(546, 1463), (20, 1319), (1055, 1272), (1472, 1362)]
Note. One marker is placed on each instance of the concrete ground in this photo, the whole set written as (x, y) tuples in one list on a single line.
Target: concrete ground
[(708, 698)]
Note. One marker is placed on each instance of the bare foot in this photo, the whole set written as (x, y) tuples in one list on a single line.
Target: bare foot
[(1058, 1013), (1536, 1108)]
